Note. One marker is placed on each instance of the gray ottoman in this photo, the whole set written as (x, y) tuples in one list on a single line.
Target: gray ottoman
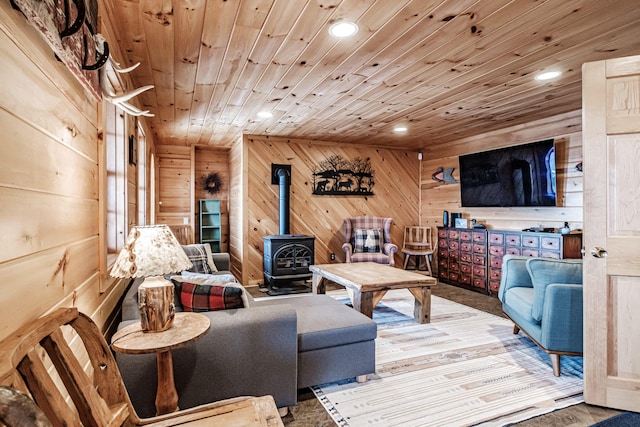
[(335, 341)]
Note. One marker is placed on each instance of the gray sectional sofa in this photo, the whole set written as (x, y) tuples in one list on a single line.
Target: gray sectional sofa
[(274, 346)]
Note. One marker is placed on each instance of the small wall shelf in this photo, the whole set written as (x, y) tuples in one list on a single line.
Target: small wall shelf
[(210, 223)]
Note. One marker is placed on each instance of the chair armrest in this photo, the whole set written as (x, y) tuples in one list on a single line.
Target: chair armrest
[(562, 318), (246, 352), (348, 250), (514, 274), (544, 271), (222, 261), (390, 248)]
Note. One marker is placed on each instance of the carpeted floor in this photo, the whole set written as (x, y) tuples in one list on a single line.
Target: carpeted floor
[(309, 412)]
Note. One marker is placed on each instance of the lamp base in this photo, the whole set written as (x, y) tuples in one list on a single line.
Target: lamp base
[(155, 301)]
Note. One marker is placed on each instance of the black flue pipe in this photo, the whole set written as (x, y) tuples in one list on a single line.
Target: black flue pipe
[(284, 181)]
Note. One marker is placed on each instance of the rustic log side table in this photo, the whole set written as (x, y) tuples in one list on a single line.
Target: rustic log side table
[(187, 327)]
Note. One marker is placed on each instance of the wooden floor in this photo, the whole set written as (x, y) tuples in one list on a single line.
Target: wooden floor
[(309, 412)]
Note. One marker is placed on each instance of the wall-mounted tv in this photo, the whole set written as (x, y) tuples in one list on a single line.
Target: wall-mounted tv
[(522, 175)]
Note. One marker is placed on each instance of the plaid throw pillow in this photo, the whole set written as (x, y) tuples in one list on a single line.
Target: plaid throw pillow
[(367, 240), (201, 298), (201, 258)]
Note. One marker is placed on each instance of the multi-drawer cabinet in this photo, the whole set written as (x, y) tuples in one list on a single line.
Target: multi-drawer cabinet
[(462, 257), (545, 245), (472, 258)]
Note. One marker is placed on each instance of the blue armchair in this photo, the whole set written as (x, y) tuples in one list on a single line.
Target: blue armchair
[(543, 298)]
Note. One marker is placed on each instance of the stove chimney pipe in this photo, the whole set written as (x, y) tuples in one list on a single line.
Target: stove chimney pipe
[(284, 181)]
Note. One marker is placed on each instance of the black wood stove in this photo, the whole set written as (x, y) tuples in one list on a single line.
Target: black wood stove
[(287, 257)]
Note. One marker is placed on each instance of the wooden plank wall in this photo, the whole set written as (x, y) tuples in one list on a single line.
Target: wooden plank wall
[(238, 183), (208, 160), (49, 185), (565, 128), (181, 171), (396, 195)]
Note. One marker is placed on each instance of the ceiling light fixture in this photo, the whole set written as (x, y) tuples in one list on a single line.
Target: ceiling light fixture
[(343, 29), (265, 114), (400, 129), (548, 75)]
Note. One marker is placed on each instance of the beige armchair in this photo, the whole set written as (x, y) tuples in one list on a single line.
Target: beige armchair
[(368, 238)]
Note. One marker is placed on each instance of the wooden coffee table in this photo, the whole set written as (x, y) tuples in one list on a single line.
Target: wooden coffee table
[(368, 282)]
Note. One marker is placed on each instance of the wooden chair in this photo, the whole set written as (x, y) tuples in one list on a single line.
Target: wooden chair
[(64, 363), (418, 242)]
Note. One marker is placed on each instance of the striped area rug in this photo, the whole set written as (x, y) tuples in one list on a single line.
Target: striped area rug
[(465, 368)]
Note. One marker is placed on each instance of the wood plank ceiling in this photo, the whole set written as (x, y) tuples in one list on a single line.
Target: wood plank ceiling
[(444, 68)]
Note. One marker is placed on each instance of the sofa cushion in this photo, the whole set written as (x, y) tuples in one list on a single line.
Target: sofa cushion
[(324, 322), (546, 271), (521, 299), (367, 240), (199, 298), (226, 279), (201, 258)]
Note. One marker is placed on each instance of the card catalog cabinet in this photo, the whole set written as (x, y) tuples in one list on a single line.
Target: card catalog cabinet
[(472, 258)]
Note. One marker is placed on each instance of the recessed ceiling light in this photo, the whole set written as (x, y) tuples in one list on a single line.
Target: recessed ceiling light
[(548, 75), (265, 114), (343, 29), (400, 129)]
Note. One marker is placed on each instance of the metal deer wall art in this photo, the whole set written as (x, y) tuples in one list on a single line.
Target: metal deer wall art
[(339, 177)]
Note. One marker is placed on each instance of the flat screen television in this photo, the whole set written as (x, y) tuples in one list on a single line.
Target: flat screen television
[(522, 175)]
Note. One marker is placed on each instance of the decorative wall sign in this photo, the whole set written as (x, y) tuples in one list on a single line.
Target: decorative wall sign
[(337, 176), (212, 183), (443, 176)]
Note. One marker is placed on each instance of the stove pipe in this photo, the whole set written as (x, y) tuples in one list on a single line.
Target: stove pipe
[(284, 181)]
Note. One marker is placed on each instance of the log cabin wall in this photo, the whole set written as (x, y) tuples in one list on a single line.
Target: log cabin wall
[(565, 129), (396, 195), (49, 185)]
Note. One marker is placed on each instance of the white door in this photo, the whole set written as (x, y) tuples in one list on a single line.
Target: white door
[(611, 148)]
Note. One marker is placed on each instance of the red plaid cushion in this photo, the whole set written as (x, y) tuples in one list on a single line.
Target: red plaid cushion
[(200, 298)]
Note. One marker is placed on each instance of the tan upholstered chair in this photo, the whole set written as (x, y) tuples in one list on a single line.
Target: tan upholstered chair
[(418, 243), (368, 238)]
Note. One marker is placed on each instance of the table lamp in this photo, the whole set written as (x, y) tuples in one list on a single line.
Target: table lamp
[(149, 252)]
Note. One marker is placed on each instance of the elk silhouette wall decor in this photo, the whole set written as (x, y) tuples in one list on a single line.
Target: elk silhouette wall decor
[(336, 176)]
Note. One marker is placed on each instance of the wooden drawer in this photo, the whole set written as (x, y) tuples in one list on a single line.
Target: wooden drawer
[(550, 243), (530, 241), (454, 245), (443, 263), (465, 279), (549, 254), (512, 240), (479, 282), (442, 233), (443, 274), (443, 243), (530, 252), (495, 262), (443, 253), (465, 268), (454, 234), (465, 247), (465, 235), (479, 236), (496, 251), (454, 276), (454, 266), (454, 256), (465, 257), (479, 259), (494, 286), (496, 238), (479, 271), (513, 250), (479, 248), (495, 274)]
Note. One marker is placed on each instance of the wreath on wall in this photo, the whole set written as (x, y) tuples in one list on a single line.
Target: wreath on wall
[(212, 183)]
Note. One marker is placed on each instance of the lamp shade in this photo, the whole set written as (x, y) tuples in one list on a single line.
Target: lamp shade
[(150, 250)]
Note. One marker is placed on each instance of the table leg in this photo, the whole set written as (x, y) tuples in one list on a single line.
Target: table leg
[(422, 304), (318, 285), (166, 396), (363, 302)]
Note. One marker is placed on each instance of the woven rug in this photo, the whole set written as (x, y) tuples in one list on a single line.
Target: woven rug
[(465, 368)]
